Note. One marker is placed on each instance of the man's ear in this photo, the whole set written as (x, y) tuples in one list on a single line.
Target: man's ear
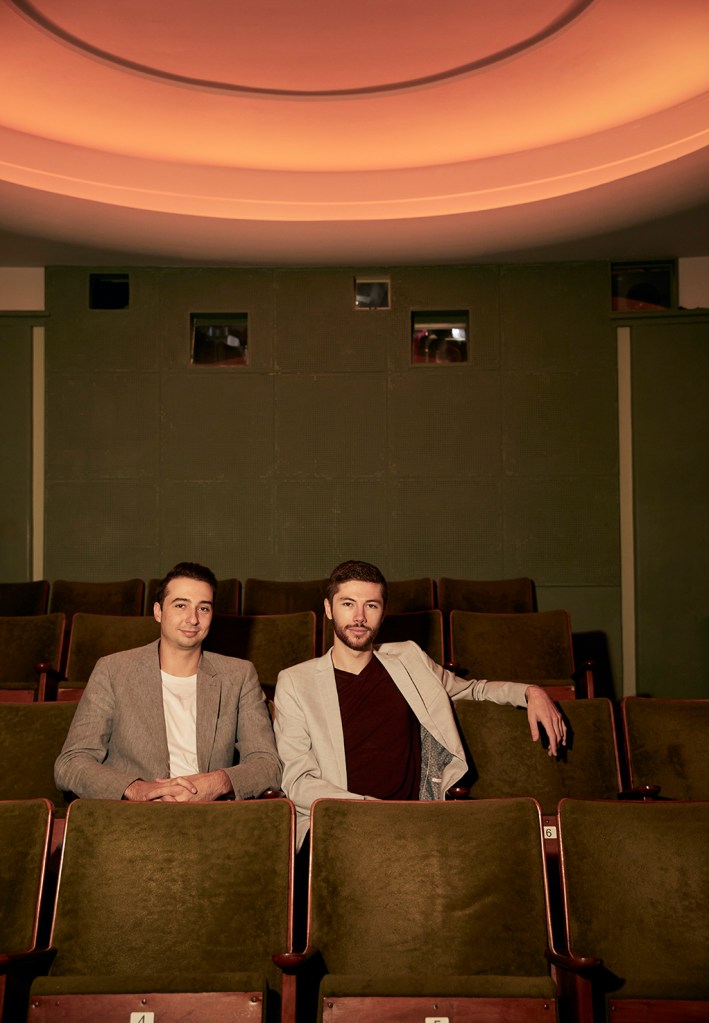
[(328, 608), (157, 612)]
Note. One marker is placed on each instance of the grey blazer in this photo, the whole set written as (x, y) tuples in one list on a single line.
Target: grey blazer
[(118, 733), (309, 733)]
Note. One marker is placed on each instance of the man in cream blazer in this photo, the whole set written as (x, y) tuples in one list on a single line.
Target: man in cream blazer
[(310, 736), (128, 735)]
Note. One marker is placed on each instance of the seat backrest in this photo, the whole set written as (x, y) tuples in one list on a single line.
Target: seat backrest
[(667, 744), (403, 888), (270, 642), (227, 601), (28, 598), (26, 641), (636, 892), (31, 738), (510, 647), (124, 597), (492, 596), (170, 888), (94, 636), (423, 627), (25, 827), (505, 762), (274, 597), (406, 595)]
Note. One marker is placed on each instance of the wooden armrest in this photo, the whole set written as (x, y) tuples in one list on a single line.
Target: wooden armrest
[(272, 794), (38, 956), (290, 962), (574, 964), (644, 793), (458, 792), (49, 679)]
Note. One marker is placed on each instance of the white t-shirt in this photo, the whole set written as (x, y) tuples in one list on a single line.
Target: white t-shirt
[(179, 700)]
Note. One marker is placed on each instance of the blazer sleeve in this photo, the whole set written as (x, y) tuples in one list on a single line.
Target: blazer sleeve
[(80, 767), (513, 693), (304, 776), (258, 767)]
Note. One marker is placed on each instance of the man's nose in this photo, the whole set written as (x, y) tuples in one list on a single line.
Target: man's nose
[(192, 616), (361, 615)]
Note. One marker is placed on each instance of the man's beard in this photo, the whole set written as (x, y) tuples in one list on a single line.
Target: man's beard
[(354, 643)]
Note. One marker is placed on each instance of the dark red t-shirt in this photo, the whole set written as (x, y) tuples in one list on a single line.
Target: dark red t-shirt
[(382, 734)]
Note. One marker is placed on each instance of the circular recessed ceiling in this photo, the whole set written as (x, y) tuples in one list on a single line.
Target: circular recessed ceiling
[(304, 48)]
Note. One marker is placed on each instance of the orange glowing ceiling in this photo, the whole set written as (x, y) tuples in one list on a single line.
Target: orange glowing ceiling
[(390, 131)]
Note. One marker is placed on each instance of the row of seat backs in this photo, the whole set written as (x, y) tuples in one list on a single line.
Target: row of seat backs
[(665, 743), (264, 596), (424, 904), (536, 646)]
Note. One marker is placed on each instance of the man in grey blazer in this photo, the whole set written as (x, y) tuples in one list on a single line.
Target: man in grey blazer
[(167, 721), (361, 723)]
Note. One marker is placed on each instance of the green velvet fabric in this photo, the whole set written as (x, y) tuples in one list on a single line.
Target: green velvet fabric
[(442, 986), (173, 889), (275, 597), (271, 642), (422, 889), (124, 597), (164, 981), (24, 840), (489, 596), (31, 738), (24, 642), (668, 745), (226, 602), (29, 598), (505, 762), (637, 891), (513, 646), (423, 627), (407, 595), (96, 635)]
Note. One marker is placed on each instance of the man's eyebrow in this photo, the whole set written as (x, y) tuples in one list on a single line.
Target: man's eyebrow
[(186, 600)]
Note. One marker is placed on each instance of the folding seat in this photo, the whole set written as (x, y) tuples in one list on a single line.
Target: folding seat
[(407, 595), (28, 598), (124, 597), (25, 828), (26, 641), (423, 627), (415, 914), (504, 761), (93, 636), (270, 642), (533, 647), (171, 909), (276, 597), (636, 893), (489, 596), (226, 602), (667, 745), (31, 738)]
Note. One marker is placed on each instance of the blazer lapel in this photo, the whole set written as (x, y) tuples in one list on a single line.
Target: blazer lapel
[(147, 686), (209, 692), (410, 691), (329, 707)]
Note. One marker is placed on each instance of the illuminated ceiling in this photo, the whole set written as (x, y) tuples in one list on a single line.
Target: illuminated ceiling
[(303, 131)]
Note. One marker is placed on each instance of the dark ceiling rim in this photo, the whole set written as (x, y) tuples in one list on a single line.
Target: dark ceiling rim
[(29, 11)]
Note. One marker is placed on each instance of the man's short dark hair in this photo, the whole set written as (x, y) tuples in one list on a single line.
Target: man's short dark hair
[(362, 571), (186, 570)]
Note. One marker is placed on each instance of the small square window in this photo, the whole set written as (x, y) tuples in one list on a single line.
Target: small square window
[(439, 338), (109, 291), (220, 339), (372, 293), (643, 287)]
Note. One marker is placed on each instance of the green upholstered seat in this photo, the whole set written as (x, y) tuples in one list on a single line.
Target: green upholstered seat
[(122, 597), (636, 889), (94, 636), (667, 744), (180, 904), (28, 598), (533, 647), (270, 642), (489, 596), (24, 642), (413, 903), (405, 595), (505, 762), (31, 738), (227, 600), (278, 597), (25, 829), (423, 627)]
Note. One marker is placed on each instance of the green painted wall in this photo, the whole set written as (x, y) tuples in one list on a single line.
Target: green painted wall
[(330, 444), (16, 449)]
